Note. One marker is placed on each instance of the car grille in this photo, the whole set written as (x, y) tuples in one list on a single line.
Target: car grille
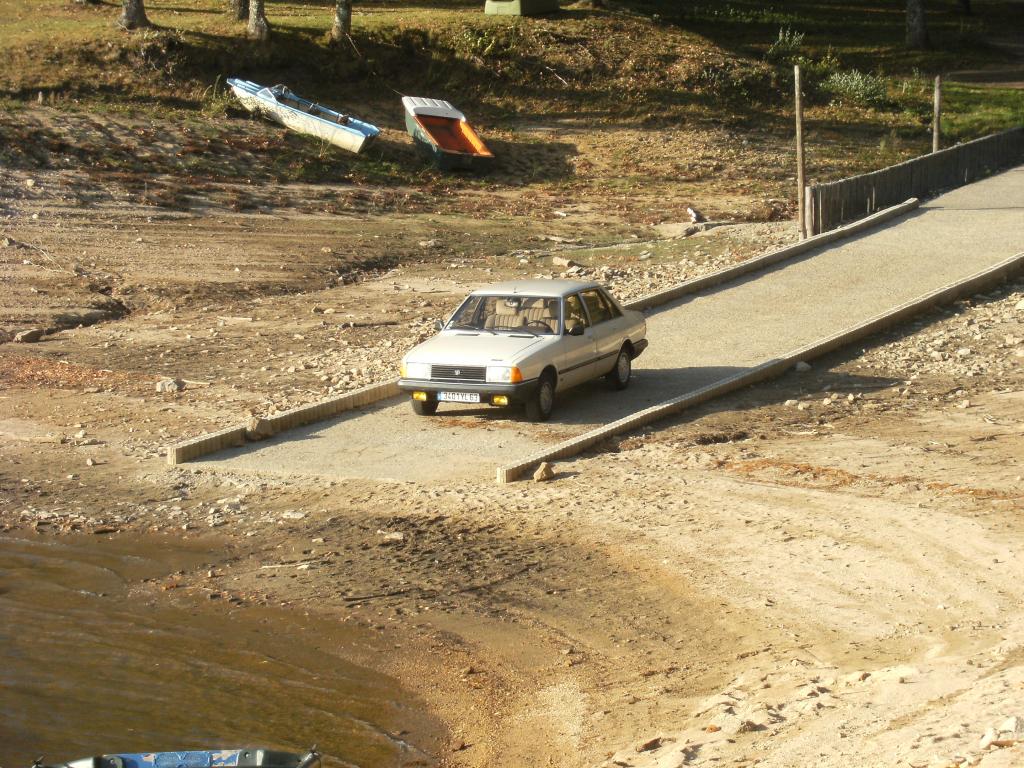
[(477, 373)]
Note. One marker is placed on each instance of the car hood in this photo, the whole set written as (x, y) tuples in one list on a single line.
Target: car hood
[(473, 348)]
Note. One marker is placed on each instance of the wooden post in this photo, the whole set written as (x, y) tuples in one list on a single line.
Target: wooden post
[(801, 213), (937, 117)]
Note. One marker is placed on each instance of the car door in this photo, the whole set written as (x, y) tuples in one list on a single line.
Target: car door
[(617, 329), (605, 329), (577, 353)]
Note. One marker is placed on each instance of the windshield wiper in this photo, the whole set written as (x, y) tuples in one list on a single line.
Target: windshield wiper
[(464, 327)]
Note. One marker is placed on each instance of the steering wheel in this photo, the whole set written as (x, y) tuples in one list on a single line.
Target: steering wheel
[(539, 324)]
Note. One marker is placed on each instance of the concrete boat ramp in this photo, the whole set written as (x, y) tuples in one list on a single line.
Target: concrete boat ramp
[(961, 240)]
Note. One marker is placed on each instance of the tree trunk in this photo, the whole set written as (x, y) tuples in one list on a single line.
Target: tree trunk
[(258, 28), (342, 19), (133, 15), (239, 9), (917, 32)]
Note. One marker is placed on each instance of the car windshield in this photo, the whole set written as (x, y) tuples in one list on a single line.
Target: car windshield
[(509, 314)]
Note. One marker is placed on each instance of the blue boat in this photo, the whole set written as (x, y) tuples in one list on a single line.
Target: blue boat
[(283, 106), (253, 757)]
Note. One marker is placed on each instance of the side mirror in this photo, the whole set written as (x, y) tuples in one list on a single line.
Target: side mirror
[(577, 329), (438, 325)]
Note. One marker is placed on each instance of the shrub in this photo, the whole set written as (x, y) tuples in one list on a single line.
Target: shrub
[(855, 87), (786, 47), (732, 82)]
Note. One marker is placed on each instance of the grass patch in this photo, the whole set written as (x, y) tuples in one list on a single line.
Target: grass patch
[(970, 111), (645, 68)]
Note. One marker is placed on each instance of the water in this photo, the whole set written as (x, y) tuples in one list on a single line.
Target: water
[(91, 664)]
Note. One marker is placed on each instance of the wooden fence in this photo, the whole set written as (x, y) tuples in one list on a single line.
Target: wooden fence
[(834, 203)]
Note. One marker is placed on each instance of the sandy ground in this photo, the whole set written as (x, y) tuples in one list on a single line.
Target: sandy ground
[(823, 570)]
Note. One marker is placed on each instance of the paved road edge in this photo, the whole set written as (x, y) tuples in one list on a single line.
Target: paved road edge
[(767, 370), (212, 442), (697, 284)]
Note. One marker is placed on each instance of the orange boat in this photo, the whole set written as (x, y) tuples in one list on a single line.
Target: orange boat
[(443, 134)]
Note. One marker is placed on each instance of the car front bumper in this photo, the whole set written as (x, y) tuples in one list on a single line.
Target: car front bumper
[(516, 393)]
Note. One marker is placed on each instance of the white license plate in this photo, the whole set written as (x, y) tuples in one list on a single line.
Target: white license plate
[(459, 397)]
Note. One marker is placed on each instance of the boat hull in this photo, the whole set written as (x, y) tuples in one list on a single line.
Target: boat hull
[(331, 132), (221, 758), (430, 146)]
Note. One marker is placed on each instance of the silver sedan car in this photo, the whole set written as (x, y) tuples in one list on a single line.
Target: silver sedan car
[(521, 342)]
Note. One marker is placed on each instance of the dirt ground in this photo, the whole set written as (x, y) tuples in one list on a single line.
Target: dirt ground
[(821, 571)]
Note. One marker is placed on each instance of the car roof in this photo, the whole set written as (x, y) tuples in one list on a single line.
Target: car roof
[(544, 288)]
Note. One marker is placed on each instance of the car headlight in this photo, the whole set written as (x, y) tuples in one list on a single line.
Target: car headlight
[(504, 374), (415, 370)]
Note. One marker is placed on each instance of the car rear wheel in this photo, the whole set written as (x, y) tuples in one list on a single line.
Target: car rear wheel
[(540, 406), (620, 375), (424, 407)]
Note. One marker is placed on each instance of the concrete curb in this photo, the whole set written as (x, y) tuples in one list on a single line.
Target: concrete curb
[(307, 414), (788, 252), (766, 370), (187, 450), (296, 417)]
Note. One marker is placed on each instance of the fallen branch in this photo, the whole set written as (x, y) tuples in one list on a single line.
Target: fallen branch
[(564, 81)]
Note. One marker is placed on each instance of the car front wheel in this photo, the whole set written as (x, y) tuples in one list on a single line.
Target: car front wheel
[(424, 407), (539, 407), (620, 375)]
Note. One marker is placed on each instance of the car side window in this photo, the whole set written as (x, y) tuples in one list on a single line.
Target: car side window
[(599, 311), (612, 307), (574, 313)]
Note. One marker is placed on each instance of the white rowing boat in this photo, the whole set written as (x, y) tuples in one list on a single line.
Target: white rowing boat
[(304, 116)]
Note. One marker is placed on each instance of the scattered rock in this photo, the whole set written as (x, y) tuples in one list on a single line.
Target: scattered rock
[(391, 537), (1013, 725), (856, 677), (695, 216), (5, 336), (170, 385), (802, 367), (561, 261), (28, 337), (987, 738), (791, 403), (544, 472), (650, 745), (257, 428), (429, 243)]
